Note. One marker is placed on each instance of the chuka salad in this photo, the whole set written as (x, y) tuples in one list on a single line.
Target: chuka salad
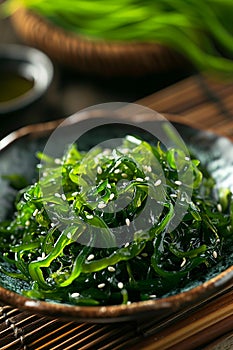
[(98, 227)]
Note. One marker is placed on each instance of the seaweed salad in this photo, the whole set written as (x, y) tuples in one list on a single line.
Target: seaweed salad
[(99, 228)]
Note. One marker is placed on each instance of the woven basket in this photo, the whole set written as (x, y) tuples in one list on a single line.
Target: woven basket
[(94, 56)]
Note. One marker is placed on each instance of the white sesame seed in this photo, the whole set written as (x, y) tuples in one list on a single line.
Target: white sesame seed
[(117, 171), (158, 182), (117, 163), (127, 221), (57, 195), (90, 257), (126, 244), (40, 258), (187, 158), (101, 285), (27, 223), (120, 285), (89, 216), (153, 296), (63, 196), (215, 254), (148, 168), (178, 183), (139, 179), (35, 212), (75, 295), (183, 262), (173, 195), (133, 139), (124, 175), (107, 151), (101, 205), (111, 269), (74, 194), (112, 195), (69, 235), (57, 161), (147, 178), (99, 170), (109, 186), (219, 207)]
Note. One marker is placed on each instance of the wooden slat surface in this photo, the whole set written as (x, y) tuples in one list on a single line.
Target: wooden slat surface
[(200, 103)]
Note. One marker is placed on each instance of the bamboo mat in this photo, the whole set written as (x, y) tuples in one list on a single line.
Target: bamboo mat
[(198, 102)]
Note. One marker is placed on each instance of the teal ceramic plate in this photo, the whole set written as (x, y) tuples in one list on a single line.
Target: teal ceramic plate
[(18, 155)]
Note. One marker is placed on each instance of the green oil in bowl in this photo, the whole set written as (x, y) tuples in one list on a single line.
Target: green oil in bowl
[(13, 86), (25, 76)]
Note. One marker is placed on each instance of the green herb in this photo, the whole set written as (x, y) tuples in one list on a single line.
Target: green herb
[(201, 31), (97, 228)]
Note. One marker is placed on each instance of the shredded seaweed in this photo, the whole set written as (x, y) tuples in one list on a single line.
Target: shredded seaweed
[(97, 228)]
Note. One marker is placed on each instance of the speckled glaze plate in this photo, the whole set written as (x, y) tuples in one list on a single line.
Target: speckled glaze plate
[(17, 154)]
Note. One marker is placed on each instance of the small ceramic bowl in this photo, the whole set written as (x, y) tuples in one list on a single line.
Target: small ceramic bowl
[(26, 74)]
